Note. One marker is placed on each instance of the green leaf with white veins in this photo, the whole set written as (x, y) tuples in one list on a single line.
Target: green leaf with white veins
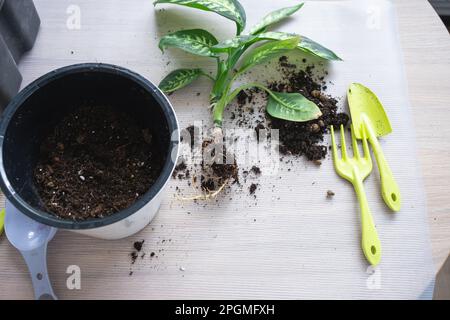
[(267, 52), (231, 9), (310, 46), (292, 107), (248, 39), (233, 43), (305, 44), (274, 17), (179, 78), (195, 41)]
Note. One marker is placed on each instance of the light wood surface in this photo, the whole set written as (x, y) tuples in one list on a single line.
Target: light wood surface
[(426, 47), (426, 44)]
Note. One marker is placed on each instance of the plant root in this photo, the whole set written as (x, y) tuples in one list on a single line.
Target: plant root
[(214, 174), (207, 195)]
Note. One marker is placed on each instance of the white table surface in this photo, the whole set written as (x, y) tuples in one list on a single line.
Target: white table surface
[(107, 264)]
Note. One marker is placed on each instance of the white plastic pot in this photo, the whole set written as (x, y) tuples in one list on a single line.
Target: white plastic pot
[(34, 112)]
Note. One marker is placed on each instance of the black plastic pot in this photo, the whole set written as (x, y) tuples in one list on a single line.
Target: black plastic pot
[(35, 111), (19, 25)]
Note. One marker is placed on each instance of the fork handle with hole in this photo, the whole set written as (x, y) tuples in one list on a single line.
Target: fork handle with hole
[(355, 169), (389, 187), (370, 242)]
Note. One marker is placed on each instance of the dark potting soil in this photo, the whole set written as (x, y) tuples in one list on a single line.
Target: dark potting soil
[(96, 162), (304, 138), (300, 138)]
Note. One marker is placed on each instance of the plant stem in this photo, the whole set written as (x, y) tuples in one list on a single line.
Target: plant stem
[(223, 102), (219, 85), (224, 70), (227, 98), (222, 87), (218, 111)]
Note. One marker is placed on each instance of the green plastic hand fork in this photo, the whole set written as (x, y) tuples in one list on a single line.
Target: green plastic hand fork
[(355, 169)]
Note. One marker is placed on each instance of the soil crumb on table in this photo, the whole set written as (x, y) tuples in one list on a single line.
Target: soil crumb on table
[(96, 162), (330, 194), (138, 245), (256, 170), (253, 188)]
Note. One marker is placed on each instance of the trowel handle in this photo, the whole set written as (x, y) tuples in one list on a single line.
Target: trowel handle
[(37, 265), (370, 242), (389, 187)]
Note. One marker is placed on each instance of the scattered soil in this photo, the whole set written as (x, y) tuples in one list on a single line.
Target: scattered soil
[(179, 170), (253, 188), (330, 194), (138, 245), (256, 170), (304, 138), (299, 138), (134, 256), (96, 162)]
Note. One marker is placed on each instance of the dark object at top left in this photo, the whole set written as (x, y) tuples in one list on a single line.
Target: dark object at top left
[(19, 25)]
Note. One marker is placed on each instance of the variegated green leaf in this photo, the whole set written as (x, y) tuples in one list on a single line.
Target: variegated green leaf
[(235, 42), (276, 35), (179, 78), (231, 9), (307, 45), (310, 46), (274, 17), (267, 52), (292, 107), (248, 39), (195, 41)]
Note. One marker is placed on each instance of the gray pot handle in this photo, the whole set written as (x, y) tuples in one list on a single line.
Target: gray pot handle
[(37, 265)]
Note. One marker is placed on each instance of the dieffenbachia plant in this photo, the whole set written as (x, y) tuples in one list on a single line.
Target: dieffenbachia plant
[(231, 61)]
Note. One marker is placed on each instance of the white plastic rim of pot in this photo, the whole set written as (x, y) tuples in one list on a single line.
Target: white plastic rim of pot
[(116, 226)]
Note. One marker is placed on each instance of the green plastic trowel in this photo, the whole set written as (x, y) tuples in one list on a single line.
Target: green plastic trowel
[(368, 112)]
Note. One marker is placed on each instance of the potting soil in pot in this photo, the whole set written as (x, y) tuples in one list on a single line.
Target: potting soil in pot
[(96, 162)]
